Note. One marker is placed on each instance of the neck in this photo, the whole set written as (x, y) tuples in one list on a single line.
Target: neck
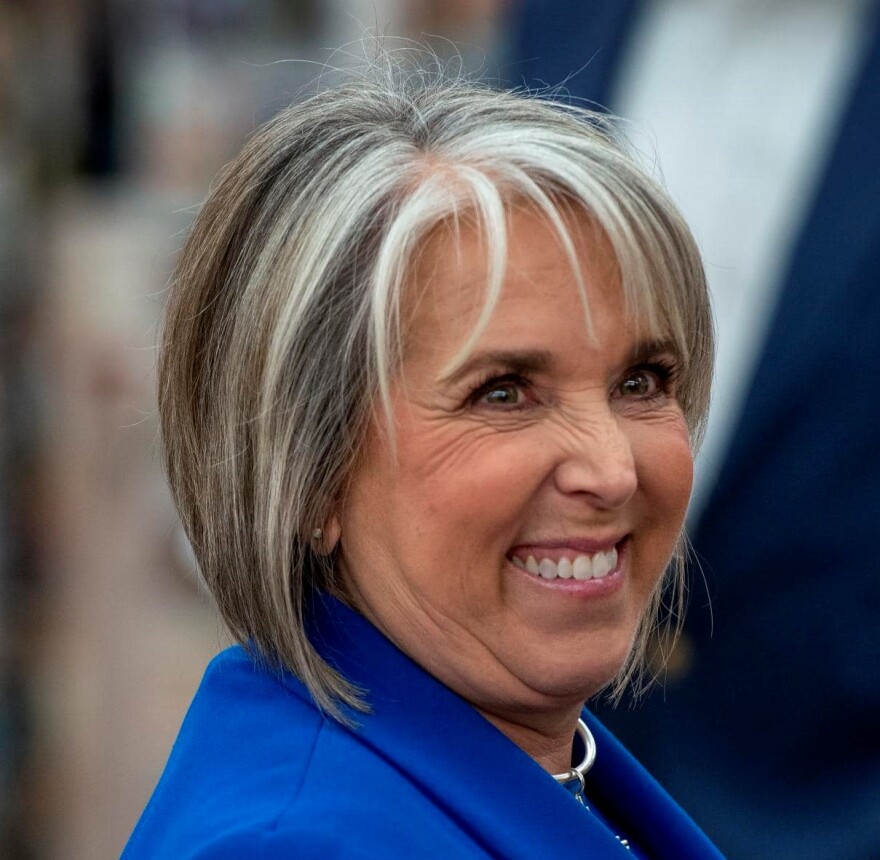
[(546, 739)]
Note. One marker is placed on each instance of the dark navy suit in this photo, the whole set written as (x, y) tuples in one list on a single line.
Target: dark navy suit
[(258, 773), (772, 739)]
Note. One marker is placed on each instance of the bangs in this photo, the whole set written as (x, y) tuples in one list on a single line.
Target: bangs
[(656, 261)]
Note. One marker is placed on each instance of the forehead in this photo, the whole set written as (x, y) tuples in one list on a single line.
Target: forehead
[(542, 295)]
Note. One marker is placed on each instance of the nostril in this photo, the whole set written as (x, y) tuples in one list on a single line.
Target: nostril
[(607, 474)]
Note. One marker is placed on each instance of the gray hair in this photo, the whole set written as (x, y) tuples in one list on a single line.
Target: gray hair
[(283, 325)]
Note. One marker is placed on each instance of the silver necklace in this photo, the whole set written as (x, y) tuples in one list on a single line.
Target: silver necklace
[(574, 778), (580, 771)]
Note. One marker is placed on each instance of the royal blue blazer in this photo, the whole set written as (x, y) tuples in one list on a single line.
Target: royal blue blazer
[(258, 772)]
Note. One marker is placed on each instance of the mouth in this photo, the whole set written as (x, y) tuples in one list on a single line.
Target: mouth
[(572, 561)]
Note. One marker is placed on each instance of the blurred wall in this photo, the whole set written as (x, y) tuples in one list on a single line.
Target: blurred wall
[(114, 116)]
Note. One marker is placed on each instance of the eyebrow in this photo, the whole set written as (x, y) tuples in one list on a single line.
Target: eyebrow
[(517, 361), (538, 360)]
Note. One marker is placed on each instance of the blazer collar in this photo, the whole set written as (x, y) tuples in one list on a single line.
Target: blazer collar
[(469, 768)]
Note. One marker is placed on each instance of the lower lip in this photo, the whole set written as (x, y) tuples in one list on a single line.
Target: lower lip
[(583, 588)]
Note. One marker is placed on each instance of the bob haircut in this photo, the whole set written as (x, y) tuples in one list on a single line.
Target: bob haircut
[(283, 327)]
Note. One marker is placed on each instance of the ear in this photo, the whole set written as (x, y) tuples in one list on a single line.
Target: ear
[(330, 535)]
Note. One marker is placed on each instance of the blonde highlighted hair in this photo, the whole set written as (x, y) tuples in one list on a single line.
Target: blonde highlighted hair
[(283, 325)]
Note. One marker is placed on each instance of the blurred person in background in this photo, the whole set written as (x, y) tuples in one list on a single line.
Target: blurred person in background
[(435, 361), (765, 119)]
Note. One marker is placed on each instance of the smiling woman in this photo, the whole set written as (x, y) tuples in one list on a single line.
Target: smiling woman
[(523, 519), (436, 360)]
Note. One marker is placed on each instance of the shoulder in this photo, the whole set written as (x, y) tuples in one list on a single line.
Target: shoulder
[(243, 718), (241, 756), (330, 834), (257, 771), (302, 843)]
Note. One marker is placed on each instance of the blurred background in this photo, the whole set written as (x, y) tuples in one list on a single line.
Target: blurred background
[(114, 116), (763, 116)]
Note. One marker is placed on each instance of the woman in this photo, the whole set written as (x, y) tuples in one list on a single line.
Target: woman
[(435, 362)]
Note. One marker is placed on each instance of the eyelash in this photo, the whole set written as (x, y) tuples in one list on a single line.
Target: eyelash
[(498, 380), (665, 370)]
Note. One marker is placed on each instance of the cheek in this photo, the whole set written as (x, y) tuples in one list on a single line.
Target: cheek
[(469, 476), (665, 467), (438, 513)]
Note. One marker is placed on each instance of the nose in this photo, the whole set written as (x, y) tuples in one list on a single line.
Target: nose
[(600, 465)]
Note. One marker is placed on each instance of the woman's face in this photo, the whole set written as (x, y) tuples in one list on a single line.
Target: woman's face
[(512, 544)]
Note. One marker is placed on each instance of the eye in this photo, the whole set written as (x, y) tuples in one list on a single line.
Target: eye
[(641, 383), (501, 393), (506, 394), (645, 383)]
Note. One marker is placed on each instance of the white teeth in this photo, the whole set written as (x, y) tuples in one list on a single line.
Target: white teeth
[(547, 568), (604, 563), (564, 568), (583, 567)]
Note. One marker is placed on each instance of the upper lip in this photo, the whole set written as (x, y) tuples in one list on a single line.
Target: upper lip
[(584, 545)]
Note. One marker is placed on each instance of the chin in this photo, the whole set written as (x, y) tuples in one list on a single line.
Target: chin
[(563, 678)]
